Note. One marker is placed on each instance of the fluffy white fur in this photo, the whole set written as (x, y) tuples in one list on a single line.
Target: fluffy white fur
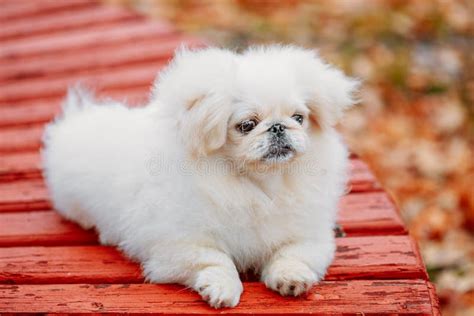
[(176, 186)]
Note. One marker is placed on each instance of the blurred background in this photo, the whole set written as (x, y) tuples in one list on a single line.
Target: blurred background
[(415, 123)]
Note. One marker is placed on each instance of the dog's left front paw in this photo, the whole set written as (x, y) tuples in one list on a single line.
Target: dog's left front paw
[(289, 277), (219, 287)]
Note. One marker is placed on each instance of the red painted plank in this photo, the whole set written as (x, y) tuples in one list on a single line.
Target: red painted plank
[(375, 297), (112, 79), (78, 264), (15, 166), (30, 112), (29, 9), (100, 35), (365, 179), (14, 139), (76, 62), (41, 228), (22, 171), (436, 311), (25, 195), (26, 165), (388, 257), (369, 213), (373, 257), (11, 3), (359, 213), (68, 19), (46, 228)]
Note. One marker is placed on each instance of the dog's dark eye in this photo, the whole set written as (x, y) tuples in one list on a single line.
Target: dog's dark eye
[(246, 126), (298, 117)]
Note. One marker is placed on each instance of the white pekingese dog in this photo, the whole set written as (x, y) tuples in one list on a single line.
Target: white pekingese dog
[(234, 165)]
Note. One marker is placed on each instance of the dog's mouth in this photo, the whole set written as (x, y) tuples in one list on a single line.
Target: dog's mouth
[(279, 153)]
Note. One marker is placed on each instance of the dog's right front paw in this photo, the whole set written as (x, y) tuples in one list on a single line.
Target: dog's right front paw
[(219, 287)]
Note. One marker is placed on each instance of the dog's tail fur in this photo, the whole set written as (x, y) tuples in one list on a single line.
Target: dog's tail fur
[(78, 96)]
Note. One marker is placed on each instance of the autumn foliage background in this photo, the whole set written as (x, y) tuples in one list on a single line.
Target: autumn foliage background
[(415, 124)]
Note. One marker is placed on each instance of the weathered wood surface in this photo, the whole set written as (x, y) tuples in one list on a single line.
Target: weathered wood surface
[(369, 213), (77, 40), (50, 265), (356, 258), (23, 195), (41, 228), (20, 10), (359, 214), (36, 112), (27, 165), (117, 78), (330, 297), (47, 228), (95, 58), (65, 20)]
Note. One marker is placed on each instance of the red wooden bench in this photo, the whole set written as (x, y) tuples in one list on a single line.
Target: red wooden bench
[(49, 265)]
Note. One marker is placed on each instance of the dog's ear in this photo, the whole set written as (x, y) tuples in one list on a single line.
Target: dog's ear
[(329, 93), (204, 124), (195, 90)]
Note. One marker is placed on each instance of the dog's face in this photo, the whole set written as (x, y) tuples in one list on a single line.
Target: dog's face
[(259, 107), (267, 133)]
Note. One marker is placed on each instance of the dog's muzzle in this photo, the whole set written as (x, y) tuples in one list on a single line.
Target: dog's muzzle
[(280, 147), (277, 130)]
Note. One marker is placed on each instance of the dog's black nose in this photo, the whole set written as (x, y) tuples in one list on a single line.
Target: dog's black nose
[(277, 129)]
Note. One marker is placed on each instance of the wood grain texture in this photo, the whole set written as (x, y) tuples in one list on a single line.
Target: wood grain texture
[(391, 257), (377, 297), (377, 257), (67, 19), (29, 9), (24, 195), (436, 311), (78, 264), (30, 113), (369, 213), (26, 165), (100, 35), (20, 166), (48, 228), (121, 77), (17, 139), (79, 62), (41, 228), (366, 180), (359, 214)]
